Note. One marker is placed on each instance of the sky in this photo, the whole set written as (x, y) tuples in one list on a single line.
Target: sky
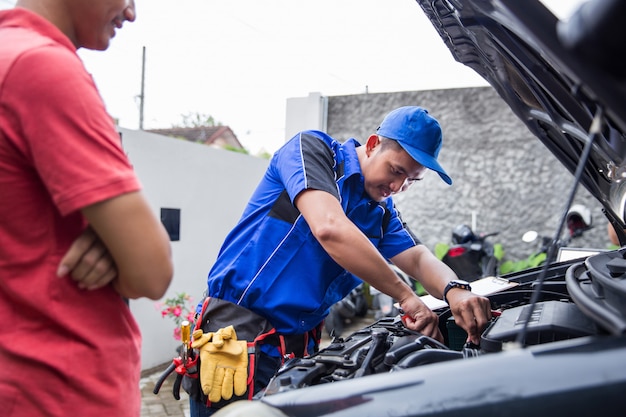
[(240, 60)]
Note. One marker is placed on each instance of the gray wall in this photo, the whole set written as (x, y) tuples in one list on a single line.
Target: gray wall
[(500, 171), (211, 187)]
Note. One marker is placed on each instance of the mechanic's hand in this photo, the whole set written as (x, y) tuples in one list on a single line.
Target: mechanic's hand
[(223, 363), (88, 262), (420, 318), (471, 312)]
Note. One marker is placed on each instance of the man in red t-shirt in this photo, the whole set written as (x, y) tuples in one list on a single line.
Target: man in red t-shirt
[(68, 343)]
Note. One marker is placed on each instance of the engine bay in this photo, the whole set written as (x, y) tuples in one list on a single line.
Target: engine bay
[(576, 299)]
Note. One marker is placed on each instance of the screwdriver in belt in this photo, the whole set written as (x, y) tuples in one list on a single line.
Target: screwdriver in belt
[(185, 337)]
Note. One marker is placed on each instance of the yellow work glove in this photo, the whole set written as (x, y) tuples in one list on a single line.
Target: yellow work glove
[(223, 363)]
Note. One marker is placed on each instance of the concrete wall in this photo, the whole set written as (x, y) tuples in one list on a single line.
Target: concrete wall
[(503, 177), (211, 187)]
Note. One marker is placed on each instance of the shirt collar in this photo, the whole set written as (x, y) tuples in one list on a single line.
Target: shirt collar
[(351, 159), (24, 18)]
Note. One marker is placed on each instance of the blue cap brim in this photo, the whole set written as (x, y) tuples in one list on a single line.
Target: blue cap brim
[(426, 160)]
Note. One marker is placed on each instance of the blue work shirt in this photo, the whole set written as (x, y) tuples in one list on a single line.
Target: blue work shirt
[(272, 264)]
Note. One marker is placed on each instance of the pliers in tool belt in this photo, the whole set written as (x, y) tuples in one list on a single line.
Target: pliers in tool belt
[(189, 368)]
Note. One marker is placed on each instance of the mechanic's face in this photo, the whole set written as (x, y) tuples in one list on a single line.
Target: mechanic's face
[(95, 21), (388, 171)]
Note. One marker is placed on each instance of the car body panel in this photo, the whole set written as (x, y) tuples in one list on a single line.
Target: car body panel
[(535, 385)]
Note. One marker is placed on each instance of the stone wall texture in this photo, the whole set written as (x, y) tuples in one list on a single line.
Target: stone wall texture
[(503, 176)]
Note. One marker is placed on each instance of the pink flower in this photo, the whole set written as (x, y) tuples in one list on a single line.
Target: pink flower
[(178, 308)]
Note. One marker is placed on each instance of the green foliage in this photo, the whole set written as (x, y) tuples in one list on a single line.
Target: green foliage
[(236, 149), (198, 120), (419, 288), (264, 155), (532, 261), (498, 251), (441, 249)]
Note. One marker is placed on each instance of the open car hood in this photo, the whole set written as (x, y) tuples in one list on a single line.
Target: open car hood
[(555, 75)]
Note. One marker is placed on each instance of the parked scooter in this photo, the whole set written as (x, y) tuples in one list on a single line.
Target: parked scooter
[(471, 256), (578, 220), (352, 305)]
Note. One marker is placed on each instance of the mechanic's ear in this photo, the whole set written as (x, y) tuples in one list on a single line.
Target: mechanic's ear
[(372, 142)]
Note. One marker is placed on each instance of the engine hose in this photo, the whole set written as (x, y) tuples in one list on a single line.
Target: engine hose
[(378, 345), (399, 351), (425, 357)]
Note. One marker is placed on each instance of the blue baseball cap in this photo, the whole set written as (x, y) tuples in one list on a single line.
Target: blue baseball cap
[(418, 133)]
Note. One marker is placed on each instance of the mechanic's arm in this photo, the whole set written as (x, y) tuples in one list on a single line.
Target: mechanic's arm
[(471, 312), (137, 242), (351, 249)]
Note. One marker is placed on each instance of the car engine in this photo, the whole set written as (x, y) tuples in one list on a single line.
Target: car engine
[(578, 298)]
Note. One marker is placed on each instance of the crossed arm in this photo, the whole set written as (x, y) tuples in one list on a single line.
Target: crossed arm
[(125, 246)]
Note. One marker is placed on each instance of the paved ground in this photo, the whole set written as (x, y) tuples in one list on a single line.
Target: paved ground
[(164, 404)]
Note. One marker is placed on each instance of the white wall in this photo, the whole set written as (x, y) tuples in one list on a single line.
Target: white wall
[(211, 187), (305, 113)]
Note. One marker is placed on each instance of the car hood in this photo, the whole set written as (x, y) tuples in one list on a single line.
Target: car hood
[(555, 75)]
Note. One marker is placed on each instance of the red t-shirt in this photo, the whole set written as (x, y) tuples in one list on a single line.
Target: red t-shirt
[(63, 351)]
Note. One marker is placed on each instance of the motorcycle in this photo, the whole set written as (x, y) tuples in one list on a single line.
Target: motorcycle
[(471, 256)]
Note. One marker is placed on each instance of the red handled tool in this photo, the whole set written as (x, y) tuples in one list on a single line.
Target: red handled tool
[(185, 364)]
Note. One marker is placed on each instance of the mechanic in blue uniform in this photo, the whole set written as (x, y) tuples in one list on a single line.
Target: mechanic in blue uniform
[(322, 216)]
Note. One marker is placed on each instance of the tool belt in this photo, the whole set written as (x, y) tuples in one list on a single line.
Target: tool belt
[(256, 331)]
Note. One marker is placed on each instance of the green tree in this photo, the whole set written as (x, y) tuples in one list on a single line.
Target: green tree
[(195, 119)]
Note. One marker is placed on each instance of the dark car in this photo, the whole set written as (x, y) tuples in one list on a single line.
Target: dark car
[(556, 345)]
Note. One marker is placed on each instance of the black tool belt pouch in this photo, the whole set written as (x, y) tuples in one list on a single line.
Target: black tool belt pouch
[(249, 326)]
